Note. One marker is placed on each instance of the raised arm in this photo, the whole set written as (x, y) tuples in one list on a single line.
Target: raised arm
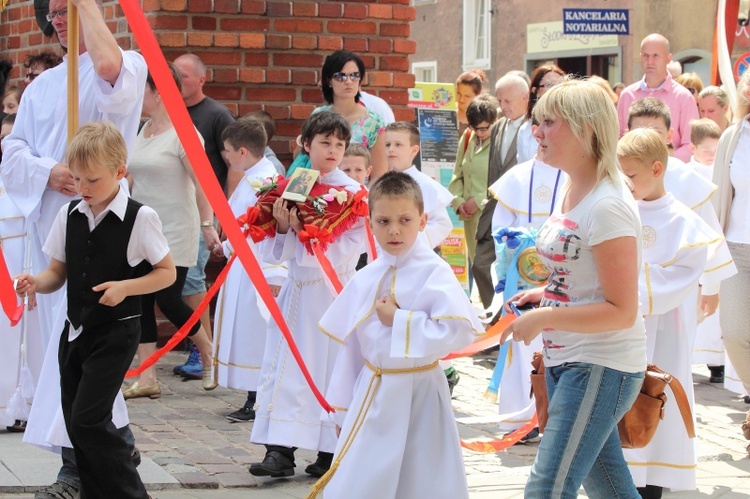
[(99, 42)]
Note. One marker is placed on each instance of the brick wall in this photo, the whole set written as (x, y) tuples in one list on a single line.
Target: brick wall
[(260, 54)]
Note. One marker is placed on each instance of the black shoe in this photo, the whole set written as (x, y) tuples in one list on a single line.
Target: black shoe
[(746, 398), (321, 465), (135, 456), (58, 490), (717, 374), (650, 492), (243, 415), (453, 379), (275, 465)]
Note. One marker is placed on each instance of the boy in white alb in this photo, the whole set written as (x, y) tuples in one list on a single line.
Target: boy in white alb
[(242, 319), (676, 245), (708, 348), (688, 187), (401, 147), (526, 196), (395, 319), (287, 415)]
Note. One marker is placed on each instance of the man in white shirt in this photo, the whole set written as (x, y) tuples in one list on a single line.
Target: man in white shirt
[(111, 86), (513, 94)]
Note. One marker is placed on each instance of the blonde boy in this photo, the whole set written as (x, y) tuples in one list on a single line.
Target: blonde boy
[(676, 244), (357, 163), (687, 185), (402, 146), (95, 245), (238, 349)]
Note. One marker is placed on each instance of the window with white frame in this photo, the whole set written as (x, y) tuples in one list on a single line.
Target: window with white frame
[(477, 39), (425, 71)]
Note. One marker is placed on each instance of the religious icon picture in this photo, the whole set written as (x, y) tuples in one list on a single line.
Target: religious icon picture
[(300, 184)]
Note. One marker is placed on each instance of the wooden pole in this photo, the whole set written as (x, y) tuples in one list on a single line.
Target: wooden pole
[(72, 70)]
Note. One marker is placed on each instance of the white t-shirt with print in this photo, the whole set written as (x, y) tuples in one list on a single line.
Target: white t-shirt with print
[(565, 244)]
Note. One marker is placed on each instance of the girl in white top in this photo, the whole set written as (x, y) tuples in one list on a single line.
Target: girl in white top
[(594, 338)]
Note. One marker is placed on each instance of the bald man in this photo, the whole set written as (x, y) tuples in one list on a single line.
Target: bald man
[(512, 92), (657, 82)]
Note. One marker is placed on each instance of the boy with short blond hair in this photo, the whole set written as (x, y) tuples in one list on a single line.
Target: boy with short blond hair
[(402, 146), (676, 245), (395, 319), (238, 349), (357, 163), (95, 246)]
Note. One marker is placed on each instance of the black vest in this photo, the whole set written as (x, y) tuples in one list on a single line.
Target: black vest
[(95, 257)]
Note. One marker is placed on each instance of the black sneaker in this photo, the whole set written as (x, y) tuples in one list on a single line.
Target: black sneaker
[(453, 379), (531, 437), (275, 465), (58, 490), (242, 415)]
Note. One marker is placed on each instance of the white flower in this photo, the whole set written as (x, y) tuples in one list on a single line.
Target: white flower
[(256, 184), (339, 196)]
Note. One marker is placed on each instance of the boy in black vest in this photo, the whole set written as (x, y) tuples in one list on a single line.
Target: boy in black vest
[(95, 244)]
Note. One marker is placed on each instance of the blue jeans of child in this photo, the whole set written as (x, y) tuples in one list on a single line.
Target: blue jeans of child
[(581, 444)]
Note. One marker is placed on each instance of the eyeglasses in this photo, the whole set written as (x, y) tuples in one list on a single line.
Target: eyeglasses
[(547, 85), (692, 90), (480, 128), (62, 14), (356, 76), (31, 76)]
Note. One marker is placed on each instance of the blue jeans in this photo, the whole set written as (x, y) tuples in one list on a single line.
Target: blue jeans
[(195, 282), (581, 444)]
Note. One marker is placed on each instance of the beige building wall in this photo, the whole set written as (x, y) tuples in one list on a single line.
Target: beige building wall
[(438, 31)]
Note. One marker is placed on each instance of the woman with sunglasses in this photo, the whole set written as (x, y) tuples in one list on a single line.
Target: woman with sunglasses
[(341, 78), (542, 79)]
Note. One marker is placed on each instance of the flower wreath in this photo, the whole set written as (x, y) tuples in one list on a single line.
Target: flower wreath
[(328, 212)]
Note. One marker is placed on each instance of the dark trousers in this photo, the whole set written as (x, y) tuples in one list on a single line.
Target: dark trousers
[(92, 369), (484, 257), (69, 470), (171, 305)]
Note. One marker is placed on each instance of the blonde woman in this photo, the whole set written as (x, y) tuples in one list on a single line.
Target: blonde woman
[(732, 201), (594, 337), (713, 103)]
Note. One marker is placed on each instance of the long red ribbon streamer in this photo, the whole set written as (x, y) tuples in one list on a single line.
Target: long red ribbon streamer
[(490, 339), (488, 446), (177, 111), (8, 296), (327, 268), (185, 329)]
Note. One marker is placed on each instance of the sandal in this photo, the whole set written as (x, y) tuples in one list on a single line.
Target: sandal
[(746, 429)]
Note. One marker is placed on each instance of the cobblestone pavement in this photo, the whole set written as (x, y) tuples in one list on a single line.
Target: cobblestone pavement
[(184, 433)]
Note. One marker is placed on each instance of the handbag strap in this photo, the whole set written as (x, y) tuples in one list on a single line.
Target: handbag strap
[(682, 401)]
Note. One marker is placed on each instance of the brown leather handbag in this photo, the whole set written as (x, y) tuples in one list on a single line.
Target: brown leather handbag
[(638, 425)]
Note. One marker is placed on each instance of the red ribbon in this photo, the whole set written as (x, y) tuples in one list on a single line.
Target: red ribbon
[(489, 339), (185, 329), (359, 203), (247, 222), (183, 125), (8, 296), (496, 445), (313, 236)]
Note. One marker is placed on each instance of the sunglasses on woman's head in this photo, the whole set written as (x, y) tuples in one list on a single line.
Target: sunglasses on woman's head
[(356, 76)]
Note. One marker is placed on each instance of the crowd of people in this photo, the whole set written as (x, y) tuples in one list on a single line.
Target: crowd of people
[(596, 207)]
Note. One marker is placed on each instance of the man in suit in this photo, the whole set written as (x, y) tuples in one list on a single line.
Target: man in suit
[(513, 94)]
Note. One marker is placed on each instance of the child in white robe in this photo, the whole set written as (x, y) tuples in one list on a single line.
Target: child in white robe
[(526, 196), (241, 318), (395, 319), (709, 347), (287, 415), (402, 146), (676, 246)]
